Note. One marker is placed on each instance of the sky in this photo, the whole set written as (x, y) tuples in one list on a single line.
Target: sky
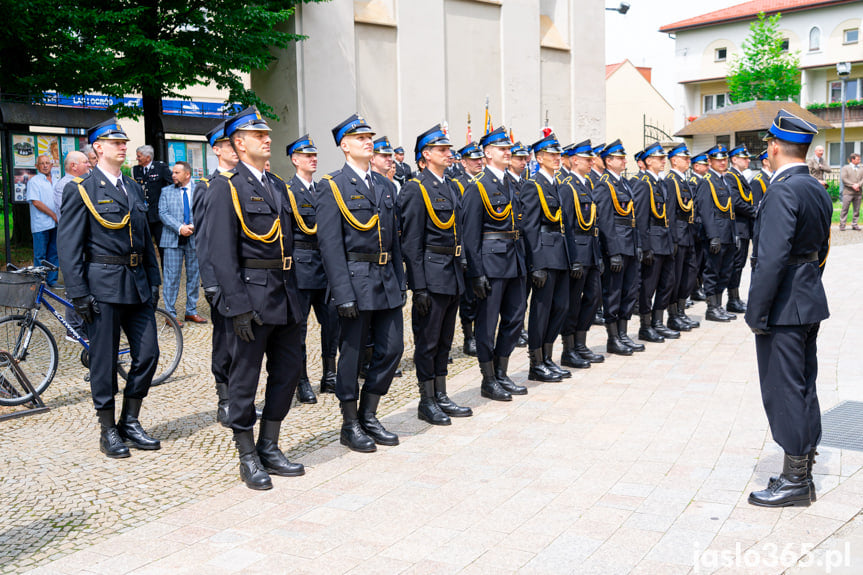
[(635, 35)]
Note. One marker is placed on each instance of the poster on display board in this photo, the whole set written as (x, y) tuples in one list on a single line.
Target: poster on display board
[(20, 177), (24, 151), (49, 146), (68, 144), (176, 152)]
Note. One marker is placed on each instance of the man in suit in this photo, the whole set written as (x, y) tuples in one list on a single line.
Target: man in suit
[(359, 243), (152, 175), (220, 356), (251, 249), (495, 266), (430, 244), (311, 278), (178, 242), (680, 195), (851, 176), (787, 303), (112, 277), (403, 171), (818, 167), (744, 215), (758, 183)]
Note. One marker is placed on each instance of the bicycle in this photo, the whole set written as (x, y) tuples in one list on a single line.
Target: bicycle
[(34, 349)]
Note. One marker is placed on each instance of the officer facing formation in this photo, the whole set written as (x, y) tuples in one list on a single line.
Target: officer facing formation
[(112, 277), (403, 171), (744, 216), (431, 246), (249, 226), (363, 262), (758, 183), (311, 278), (787, 304)]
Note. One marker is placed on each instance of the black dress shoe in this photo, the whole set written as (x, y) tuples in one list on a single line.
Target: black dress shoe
[(660, 328), (272, 458), (539, 371), (501, 365), (328, 379), (646, 331), (715, 311), (547, 349), (585, 352), (130, 429), (446, 404), (352, 434), (614, 345), (569, 357), (624, 337), (792, 488), (252, 471), (681, 313), (305, 393), (428, 410), (110, 442), (490, 387), (675, 319), (369, 421)]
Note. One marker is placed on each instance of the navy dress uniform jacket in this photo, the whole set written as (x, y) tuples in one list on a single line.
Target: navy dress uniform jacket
[(309, 263), (585, 242), (680, 201), (712, 193), (80, 235), (158, 177), (758, 184), (744, 202), (617, 231), (655, 232), (792, 227), (548, 242), (371, 285), (436, 272), (269, 292)]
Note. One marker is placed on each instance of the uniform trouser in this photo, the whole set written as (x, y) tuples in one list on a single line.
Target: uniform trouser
[(585, 293), (281, 345), (717, 269), (172, 265), (685, 272), (223, 331), (850, 200), (387, 332), (433, 334), (505, 302), (699, 252), (467, 304), (740, 256), (328, 318), (787, 368), (657, 283), (139, 324), (620, 290), (548, 307)]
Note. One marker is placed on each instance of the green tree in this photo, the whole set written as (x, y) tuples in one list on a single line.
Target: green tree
[(765, 71)]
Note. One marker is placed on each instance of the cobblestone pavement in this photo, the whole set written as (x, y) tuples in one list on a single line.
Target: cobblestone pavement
[(639, 465)]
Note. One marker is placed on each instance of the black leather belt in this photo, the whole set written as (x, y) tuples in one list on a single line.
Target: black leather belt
[(803, 259), (300, 245), (624, 221), (549, 229), (594, 231), (380, 258), (446, 250), (273, 264), (131, 260), (513, 235)]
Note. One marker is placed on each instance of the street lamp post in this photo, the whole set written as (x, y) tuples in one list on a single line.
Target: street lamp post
[(843, 69), (623, 8)]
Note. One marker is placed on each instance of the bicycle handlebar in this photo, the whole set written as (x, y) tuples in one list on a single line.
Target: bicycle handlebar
[(40, 271)]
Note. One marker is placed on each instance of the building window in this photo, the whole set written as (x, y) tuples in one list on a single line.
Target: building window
[(785, 44), (814, 39), (720, 54), (853, 90), (715, 102), (724, 140), (851, 36)]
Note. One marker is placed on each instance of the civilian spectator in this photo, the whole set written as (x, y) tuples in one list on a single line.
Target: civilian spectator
[(153, 175), (818, 165), (178, 242), (91, 155), (851, 177), (76, 165), (43, 216)]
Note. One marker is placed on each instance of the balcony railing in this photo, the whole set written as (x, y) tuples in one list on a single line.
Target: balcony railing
[(853, 113)]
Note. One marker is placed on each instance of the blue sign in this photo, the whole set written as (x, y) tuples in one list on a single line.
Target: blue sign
[(169, 107)]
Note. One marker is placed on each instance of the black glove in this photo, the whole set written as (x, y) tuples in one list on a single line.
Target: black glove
[(576, 271), (481, 287), (86, 306), (348, 310), (759, 331), (616, 263), (600, 265), (422, 301), (243, 325), (737, 242), (752, 261), (404, 297), (538, 278), (715, 246), (647, 258), (154, 296), (639, 254), (210, 294)]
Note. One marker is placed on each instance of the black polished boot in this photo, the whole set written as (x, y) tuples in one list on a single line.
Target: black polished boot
[(624, 337), (547, 349), (428, 409), (792, 488), (735, 304), (570, 356), (130, 429), (352, 434), (614, 344), (810, 463), (328, 379), (727, 313), (369, 421), (675, 319), (597, 318), (469, 347), (304, 388), (491, 387), (659, 327), (447, 405), (646, 331), (698, 294), (110, 442), (271, 457), (522, 339), (539, 371), (501, 364), (222, 409), (252, 471), (585, 352), (681, 313), (714, 311)]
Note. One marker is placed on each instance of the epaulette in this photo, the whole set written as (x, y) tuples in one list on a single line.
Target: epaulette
[(275, 174), (228, 175), (478, 177), (603, 178), (77, 179), (414, 180), (706, 176), (205, 180), (332, 175), (644, 178)]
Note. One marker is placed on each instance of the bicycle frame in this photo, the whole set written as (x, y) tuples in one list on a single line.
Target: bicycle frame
[(40, 301)]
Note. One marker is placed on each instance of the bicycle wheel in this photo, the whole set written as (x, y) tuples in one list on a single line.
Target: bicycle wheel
[(35, 351), (169, 336)]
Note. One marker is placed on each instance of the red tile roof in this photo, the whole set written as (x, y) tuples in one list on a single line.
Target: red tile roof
[(748, 11), (643, 70)]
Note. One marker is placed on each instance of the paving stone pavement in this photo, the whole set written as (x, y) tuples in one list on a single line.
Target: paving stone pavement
[(638, 465)]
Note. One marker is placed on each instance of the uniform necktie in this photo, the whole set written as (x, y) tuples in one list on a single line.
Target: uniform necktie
[(187, 211), (266, 185), (371, 187), (121, 187)]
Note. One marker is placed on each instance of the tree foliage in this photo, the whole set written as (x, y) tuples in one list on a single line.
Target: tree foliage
[(765, 71)]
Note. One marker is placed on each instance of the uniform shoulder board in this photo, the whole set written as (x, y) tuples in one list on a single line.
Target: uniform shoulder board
[(566, 180), (205, 180), (414, 180), (228, 175), (603, 178), (478, 177), (275, 174), (77, 179), (707, 176)]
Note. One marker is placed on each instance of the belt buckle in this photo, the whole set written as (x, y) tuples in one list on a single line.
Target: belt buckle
[(383, 258), (287, 263), (692, 219), (595, 231), (457, 251), (133, 260)]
